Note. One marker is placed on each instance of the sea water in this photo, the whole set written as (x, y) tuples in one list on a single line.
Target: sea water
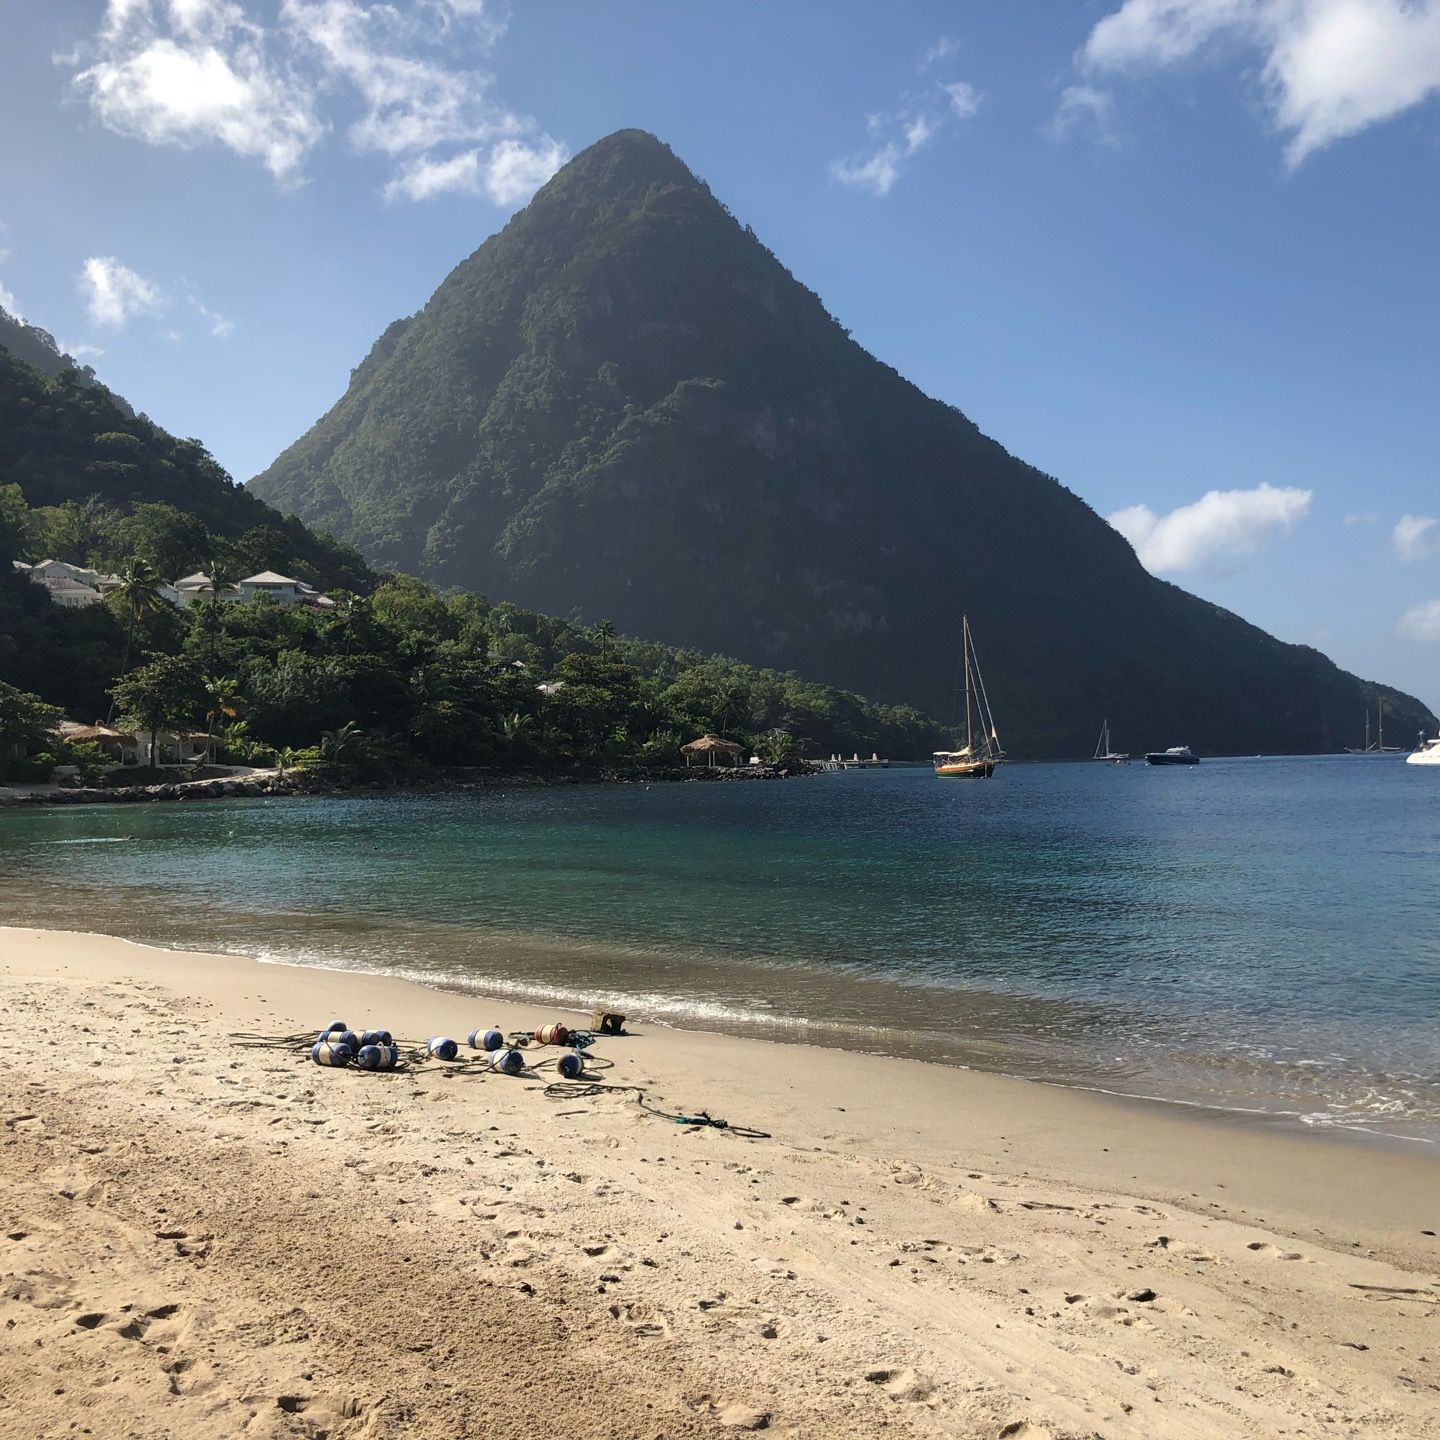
[(1261, 936)]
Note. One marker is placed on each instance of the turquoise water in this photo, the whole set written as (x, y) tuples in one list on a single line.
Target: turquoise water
[(1252, 934)]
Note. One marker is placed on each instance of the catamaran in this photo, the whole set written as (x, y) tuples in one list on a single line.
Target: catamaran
[(981, 752), (1103, 750)]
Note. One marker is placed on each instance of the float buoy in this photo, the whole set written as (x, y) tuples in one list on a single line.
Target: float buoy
[(348, 1038), (552, 1034), (507, 1062), (442, 1048), (571, 1065), (377, 1057), (376, 1037), (329, 1052), (486, 1040)]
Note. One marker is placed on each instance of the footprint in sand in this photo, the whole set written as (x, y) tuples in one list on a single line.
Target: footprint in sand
[(976, 1204), (985, 1255), (732, 1414), (1273, 1252), (906, 1385), (1181, 1251), (648, 1321), (522, 1249)]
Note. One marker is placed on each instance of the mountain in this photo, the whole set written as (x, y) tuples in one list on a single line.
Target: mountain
[(623, 405), (39, 348), (65, 438)]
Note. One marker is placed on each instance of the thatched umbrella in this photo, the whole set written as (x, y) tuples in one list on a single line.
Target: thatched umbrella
[(710, 745)]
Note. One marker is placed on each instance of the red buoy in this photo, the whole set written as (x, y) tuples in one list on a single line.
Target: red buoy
[(552, 1034)]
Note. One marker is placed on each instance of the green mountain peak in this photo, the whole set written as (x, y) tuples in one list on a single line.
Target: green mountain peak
[(623, 404)]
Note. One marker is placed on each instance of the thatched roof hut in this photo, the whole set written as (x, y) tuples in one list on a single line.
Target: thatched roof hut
[(710, 746)]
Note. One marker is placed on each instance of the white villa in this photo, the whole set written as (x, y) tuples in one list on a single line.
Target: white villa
[(284, 591), (73, 586)]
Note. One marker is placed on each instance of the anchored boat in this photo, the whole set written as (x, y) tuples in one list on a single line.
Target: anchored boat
[(1378, 745), (1175, 755), (981, 752), (1427, 754), (1103, 750)]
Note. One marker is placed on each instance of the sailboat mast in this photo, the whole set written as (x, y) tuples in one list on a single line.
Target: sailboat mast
[(1380, 721), (965, 647)]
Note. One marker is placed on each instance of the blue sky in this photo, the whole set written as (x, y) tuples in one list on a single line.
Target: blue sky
[(1178, 253)]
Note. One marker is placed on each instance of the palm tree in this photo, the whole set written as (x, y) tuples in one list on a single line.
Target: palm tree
[(222, 702), (338, 747), (222, 578), (775, 747), (605, 633), (138, 597)]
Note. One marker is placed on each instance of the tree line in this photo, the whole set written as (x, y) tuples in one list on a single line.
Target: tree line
[(394, 683)]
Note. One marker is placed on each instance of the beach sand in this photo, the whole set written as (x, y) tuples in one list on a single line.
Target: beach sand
[(203, 1239)]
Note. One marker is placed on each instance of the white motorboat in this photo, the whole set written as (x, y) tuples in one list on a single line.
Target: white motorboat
[(1427, 754)]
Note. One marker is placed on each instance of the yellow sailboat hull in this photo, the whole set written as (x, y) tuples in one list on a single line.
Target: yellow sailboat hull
[(967, 770)]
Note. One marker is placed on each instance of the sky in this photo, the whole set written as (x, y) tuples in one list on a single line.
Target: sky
[(1180, 254)]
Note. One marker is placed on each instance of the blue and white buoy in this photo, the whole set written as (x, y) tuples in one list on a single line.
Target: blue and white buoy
[(571, 1065), (486, 1040), (331, 1052), (376, 1037), (443, 1048), (377, 1057), (507, 1062)]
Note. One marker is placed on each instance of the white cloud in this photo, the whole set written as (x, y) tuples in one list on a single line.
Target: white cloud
[(191, 72), (79, 349), (1329, 68), (877, 172), (943, 49), (1213, 532), (513, 171), (423, 179), (221, 326), (964, 98), (1421, 622), (1416, 536), (114, 293), (516, 170), (1084, 108), (904, 133), (210, 78), (9, 303)]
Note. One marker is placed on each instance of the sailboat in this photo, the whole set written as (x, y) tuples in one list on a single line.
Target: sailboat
[(1378, 746), (1103, 750), (982, 752)]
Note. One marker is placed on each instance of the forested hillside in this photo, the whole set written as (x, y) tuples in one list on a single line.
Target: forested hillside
[(392, 679), (624, 405)]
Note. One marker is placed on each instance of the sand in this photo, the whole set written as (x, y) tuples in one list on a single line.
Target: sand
[(203, 1239)]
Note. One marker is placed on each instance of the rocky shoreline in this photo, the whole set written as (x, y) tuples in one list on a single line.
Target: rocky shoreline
[(312, 783)]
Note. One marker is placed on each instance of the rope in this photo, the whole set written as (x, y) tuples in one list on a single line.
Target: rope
[(416, 1057), (702, 1119)]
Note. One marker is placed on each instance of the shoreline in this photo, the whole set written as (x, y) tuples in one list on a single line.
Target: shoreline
[(1097, 1107), (274, 784), (917, 1247), (1066, 1074)]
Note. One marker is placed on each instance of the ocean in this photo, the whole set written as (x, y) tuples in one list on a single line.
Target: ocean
[(1260, 937)]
